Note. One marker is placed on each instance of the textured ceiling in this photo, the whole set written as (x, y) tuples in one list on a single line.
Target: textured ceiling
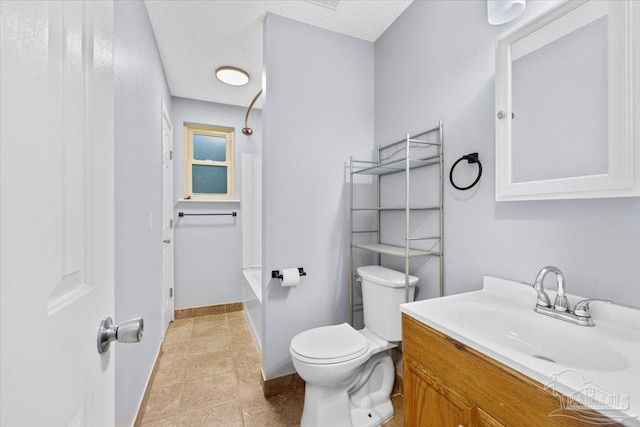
[(196, 37)]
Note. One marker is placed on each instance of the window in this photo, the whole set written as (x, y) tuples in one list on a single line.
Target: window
[(209, 156)]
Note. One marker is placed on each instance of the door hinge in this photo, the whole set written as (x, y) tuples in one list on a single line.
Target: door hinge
[(171, 224), (170, 154), (170, 292)]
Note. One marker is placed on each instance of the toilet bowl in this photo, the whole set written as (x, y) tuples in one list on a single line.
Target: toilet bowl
[(349, 373), (338, 383)]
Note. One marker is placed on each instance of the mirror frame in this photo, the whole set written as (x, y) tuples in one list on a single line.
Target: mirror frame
[(623, 176)]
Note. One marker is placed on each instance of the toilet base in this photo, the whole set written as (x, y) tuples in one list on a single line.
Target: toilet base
[(365, 402), (372, 417), (325, 406)]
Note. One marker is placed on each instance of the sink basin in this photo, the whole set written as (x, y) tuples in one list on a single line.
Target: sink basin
[(565, 344), (500, 321)]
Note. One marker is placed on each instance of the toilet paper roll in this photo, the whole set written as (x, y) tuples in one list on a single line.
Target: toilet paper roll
[(290, 277)]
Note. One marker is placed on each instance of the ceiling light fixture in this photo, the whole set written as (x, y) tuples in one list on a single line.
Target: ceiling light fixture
[(503, 11), (232, 76)]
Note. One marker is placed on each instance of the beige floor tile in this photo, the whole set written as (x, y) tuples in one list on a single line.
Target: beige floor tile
[(238, 325), (166, 422), (283, 405), (205, 365), (209, 329), (219, 344), (218, 328), (241, 337), (177, 350), (299, 391), (210, 318), (170, 372), (224, 415), (179, 333), (284, 412), (253, 375), (249, 384), (266, 419), (209, 392), (181, 322), (245, 360), (163, 403), (248, 364)]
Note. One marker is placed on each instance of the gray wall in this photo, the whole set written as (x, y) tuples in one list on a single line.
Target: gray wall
[(437, 62), (318, 110), (208, 249), (140, 85)]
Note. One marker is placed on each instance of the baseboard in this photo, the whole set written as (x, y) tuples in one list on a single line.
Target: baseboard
[(279, 385), (207, 310), (147, 388)]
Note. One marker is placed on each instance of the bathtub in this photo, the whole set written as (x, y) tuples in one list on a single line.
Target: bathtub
[(252, 302)]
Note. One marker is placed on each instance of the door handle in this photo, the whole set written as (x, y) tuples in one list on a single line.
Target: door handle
[(166, 241), (129, 331)]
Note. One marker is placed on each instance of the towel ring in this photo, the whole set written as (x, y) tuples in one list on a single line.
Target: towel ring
[(470, 158)]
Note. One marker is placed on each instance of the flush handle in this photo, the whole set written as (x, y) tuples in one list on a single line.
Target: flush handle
[(129, 331)]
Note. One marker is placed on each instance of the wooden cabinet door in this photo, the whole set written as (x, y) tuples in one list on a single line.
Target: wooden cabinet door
[(429, 404)]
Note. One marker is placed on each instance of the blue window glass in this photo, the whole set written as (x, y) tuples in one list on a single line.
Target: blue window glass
[(209, 179), (207, 147)]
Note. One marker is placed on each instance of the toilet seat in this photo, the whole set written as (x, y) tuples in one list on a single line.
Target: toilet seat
[(329, 344)]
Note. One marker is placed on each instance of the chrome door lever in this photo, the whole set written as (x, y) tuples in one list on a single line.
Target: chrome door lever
[(129, 331)]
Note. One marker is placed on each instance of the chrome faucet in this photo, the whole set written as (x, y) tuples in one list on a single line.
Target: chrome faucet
[(561, 303), (560, 309)]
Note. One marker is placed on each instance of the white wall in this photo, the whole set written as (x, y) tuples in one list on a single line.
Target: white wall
[(437, 62), (208, 249), (318, 110), (140, 85)]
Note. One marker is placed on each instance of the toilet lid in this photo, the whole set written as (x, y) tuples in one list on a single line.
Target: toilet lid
[(330, 342)]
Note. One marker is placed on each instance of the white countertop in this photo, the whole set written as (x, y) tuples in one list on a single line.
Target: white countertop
[(598, 366)]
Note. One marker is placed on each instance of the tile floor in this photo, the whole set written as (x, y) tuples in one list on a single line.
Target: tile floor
[(209, 375)]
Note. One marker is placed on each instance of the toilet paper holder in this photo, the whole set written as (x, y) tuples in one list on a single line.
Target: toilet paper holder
[(275, 274)]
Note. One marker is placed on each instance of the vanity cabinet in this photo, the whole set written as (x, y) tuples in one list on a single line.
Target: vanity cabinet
[(429, 402), (448, 384)]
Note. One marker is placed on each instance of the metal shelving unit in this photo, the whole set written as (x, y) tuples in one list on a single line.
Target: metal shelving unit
[(400, 157)]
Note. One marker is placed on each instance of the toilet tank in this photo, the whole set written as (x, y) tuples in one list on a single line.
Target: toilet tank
[(382, 294)]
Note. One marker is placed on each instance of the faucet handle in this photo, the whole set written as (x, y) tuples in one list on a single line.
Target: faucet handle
[(582, 308), (561, 303), (543, 299)]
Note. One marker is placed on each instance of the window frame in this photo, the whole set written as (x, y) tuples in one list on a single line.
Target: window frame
[(191, 129)]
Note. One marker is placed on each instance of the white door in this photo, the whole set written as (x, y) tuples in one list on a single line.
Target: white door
[(56, 212), (167, 216)]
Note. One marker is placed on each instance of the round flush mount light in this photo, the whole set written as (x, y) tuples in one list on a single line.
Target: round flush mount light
[(232, 76), (503, 11)]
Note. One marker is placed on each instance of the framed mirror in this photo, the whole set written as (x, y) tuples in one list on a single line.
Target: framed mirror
[(567, 103)]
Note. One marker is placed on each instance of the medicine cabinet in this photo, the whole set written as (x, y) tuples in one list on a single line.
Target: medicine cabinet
[(568, 103)]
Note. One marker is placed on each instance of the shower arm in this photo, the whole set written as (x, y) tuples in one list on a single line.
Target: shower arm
[(247, 130)]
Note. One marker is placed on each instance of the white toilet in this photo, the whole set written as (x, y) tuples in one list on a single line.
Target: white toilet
[(348, 373)]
